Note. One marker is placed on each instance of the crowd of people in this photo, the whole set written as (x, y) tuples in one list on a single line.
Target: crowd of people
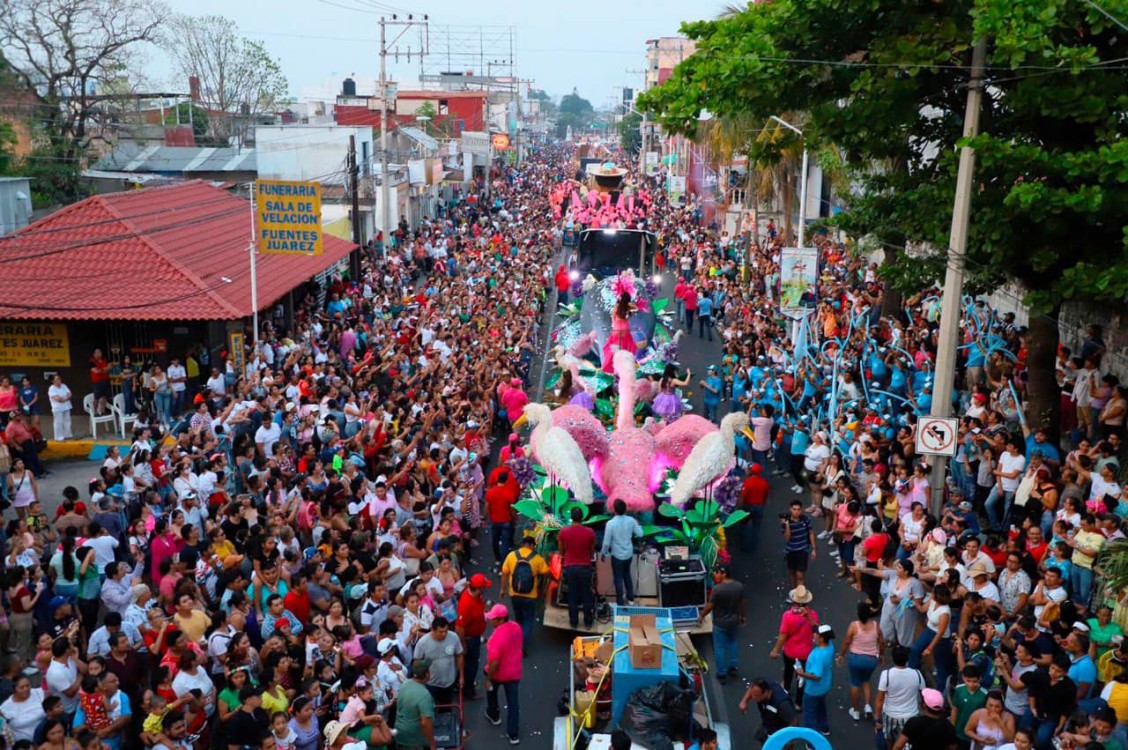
[(282, 557), (285, 556), (988, 602)]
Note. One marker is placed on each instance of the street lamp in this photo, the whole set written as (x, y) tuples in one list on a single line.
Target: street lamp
[(802, 179)]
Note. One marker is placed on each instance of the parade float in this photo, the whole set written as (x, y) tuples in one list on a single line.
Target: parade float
[(601, 443)]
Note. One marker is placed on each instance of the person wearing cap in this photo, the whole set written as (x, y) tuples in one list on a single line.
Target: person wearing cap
[(818, 674), (511, 450), (390, 672), (471, 626), (415, 711), (931, 729), (504, 670), (754, 494), (712, 386)]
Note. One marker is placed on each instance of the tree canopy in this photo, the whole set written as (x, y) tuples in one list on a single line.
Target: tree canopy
[(886, 82), (630, 134)]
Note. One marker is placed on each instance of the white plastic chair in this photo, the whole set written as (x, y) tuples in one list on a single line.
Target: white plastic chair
[(117, 407), (88, 407)]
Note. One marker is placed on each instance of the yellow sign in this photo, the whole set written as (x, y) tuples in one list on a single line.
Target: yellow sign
[(237, 353), (288, 217), (34, 345)]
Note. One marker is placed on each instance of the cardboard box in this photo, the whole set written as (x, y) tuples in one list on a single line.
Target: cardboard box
[(644, 642)]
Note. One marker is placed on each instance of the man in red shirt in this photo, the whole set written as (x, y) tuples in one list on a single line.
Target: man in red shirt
[(499, 502), (753, 498), (471, 626), (577, 547), (690, 300), (563, 284)]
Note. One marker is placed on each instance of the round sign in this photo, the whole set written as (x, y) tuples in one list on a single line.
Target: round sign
[(937, 436), (500, 142)]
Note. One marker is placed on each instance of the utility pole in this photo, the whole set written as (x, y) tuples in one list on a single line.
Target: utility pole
[(354, 192), (385, 187), (953, 278), (385, 178)]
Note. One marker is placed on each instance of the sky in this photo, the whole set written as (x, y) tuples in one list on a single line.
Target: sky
[(589, 45)]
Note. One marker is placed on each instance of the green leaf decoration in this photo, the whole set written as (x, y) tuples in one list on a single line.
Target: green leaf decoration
[(533, 509), (708, 551), (566, 509), (593, 520), (601, 381), (670, 511), (659, 305), (604, 409), (735, 517), (553, 379), (554, 498)]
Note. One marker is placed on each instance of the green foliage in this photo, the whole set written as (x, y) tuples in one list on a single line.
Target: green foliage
[(574, 104), (699, 527), (629, 133), (55, 174), (426, 109), (7, 145), (574, 112), (1050, 206), (188, 112)]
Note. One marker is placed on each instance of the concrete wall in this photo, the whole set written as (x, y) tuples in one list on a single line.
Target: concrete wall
[(1074, 318), (308, 152)]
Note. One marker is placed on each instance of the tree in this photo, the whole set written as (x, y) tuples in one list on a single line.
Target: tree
[(1050, 208), (238, 77), (190, 113), (67, 51), (426, 109), (630, 133), (574, 112), (574, 104), (7, 143)]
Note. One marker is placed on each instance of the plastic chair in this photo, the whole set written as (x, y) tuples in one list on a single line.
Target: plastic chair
[(117, 408), (95, 420)]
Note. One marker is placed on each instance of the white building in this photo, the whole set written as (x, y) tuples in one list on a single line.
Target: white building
[(315, 153)]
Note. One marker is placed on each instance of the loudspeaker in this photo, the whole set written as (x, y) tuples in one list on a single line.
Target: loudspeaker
[(681, 583)]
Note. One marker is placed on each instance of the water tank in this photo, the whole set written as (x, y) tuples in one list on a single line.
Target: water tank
[(348, 88)]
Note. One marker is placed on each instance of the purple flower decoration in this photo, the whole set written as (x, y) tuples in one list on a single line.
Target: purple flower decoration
[(577, 288), (523, 471), (668, 352), (727, 493), (652, 290)]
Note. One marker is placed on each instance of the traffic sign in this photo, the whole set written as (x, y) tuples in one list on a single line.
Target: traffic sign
[(936, 436)]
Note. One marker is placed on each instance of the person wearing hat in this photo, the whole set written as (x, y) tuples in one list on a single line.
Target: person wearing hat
[(726, 604), (504, 670), (796, 634), (415, 711), (471, 626), (390, 672), (930, 729)]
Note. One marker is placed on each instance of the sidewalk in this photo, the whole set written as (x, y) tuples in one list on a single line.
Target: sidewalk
[(82, 445)]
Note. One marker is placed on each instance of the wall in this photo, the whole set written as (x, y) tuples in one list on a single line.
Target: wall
[(307, 152), (1074, 318)]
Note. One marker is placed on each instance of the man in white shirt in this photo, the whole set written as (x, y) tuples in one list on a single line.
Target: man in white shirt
[(62, 675), (178, 379), (267, 435), (103, 545), (1009, 473), (217, 385)]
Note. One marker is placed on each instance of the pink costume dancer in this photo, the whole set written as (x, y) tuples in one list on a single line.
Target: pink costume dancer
[(620, 337)]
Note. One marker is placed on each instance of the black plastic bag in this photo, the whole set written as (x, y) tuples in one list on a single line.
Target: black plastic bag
[(657, 715)]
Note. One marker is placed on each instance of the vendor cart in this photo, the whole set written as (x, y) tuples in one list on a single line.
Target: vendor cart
[(591, 714)]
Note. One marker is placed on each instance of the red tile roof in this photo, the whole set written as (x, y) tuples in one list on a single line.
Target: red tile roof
[(156, 254)]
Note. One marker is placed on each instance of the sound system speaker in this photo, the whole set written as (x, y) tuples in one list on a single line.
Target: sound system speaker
[(681, 583)]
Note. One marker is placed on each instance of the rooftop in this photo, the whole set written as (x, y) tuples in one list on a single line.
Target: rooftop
[(176, 252)]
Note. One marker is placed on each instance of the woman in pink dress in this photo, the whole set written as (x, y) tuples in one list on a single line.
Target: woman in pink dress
[(620, 337)]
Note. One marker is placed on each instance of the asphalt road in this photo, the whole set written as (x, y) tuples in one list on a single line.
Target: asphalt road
[(764, 577)]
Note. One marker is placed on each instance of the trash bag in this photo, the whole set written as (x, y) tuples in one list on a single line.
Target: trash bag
[(657, 715)]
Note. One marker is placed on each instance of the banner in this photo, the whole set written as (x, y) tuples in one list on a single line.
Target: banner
[(288, 217), (798, 279), (237, 352), (675, 188), (34, 345)]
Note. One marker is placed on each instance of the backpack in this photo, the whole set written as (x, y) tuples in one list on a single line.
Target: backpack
[(523, 581)]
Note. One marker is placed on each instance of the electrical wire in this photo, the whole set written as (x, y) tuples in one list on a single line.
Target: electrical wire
[(1106, 14)]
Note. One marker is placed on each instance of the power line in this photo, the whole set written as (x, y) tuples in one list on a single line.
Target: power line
[(1106, 14)]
